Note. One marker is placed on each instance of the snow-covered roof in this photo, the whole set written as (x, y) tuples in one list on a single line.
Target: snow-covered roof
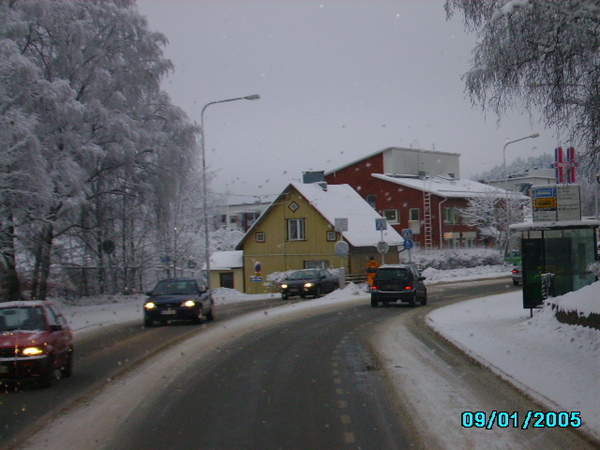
[(337, 201), (448, 187), (227, 260)]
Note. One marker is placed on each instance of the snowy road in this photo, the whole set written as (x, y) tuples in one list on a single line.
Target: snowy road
[(432, 383)]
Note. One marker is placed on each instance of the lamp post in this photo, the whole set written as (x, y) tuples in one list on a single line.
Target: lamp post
[(531, 136), (204, 187)]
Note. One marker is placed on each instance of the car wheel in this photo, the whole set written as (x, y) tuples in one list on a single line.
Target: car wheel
[(318, 292), (413, 300), (515, 282), (424, 299), (302, 295), (284, 296), (210, 316), (198, 320), (148, 322), (374, 303), (67, 369), (49, 378)]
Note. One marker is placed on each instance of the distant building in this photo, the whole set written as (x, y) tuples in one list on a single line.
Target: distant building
[(242, 216), (420, 190), (522, 182)]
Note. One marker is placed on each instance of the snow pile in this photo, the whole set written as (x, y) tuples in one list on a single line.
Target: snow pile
[(556, 363)]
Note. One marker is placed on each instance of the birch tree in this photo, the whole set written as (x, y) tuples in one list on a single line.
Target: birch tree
[(543, 53)]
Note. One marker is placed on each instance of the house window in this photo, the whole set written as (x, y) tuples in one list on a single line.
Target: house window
[(451, 216), (260, 236), (391, 215), (372, 200), (331, 236), (295, 230), (322, 264), (415, 214), (226, 280)]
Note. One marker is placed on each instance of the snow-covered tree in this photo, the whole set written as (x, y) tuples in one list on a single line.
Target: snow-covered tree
[(543, 53), (115, 152), (489, 214)]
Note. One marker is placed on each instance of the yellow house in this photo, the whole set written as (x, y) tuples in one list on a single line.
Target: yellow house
[(303, 228), (226, 270)]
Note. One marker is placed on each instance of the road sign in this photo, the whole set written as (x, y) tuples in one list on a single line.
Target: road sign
[(408, 244), (256, 279), (342, 248), (257, 268), (341, 224), (382, 247), (380, 224), (407, 233)]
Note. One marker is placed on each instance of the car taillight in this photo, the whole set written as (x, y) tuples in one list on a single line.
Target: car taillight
[(515, 271), (408, 286)]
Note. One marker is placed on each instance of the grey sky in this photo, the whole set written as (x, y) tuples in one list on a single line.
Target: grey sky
[(338, 80)]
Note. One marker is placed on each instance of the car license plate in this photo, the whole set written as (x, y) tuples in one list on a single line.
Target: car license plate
[(168, 311)]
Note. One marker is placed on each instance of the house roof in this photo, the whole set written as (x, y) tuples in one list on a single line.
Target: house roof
[(445, 186), (226, 260), (339, 201), (342, 201)]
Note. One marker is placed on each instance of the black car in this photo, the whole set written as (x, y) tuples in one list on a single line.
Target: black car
[(315, 282), (178, 299), (398, 283)]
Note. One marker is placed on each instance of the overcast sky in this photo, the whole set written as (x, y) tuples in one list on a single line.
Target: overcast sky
[(338, 80)]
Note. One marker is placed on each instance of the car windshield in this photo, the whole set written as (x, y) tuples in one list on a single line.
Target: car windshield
[(22, 318), (304, 274), (388, 274), (175, 287)]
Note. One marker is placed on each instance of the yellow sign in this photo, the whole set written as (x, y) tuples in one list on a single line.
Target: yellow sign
[(549, 202)]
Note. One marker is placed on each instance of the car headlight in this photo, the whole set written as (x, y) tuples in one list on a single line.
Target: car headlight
[(32, 351), (150, 305), (284, 286), (309, 285), (189, 303)]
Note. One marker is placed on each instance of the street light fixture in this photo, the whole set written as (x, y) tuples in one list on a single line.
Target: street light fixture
[(531, 136), (204, 187)]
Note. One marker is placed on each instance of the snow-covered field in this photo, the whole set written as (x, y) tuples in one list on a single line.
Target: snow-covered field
[(558, 364)]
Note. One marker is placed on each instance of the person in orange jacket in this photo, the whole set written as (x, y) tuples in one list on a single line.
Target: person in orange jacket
[(372, 267)]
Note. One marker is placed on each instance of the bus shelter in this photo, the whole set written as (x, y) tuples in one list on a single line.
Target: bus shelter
[(555, 257)]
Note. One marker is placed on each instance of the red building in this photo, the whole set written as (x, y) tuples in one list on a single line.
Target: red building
[(419, 190)]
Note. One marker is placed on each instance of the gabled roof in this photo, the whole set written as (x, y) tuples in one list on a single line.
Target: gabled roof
[(342, 201), (448, 187), (337, 201)]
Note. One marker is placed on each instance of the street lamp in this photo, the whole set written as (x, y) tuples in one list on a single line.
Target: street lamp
[(531, 136), (204, 188)]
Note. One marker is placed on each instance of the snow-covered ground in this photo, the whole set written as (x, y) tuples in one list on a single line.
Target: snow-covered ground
[(558, 364)]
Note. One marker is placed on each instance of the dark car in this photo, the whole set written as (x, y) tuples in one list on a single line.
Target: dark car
[(178, 299), (36, 343), (398, 283), (517, 275), (315, 282)]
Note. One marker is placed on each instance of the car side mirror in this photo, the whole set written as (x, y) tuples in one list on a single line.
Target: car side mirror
[(422, 278), (55, 328)]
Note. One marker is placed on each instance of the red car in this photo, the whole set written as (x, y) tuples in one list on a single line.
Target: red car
[(36, 343)]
